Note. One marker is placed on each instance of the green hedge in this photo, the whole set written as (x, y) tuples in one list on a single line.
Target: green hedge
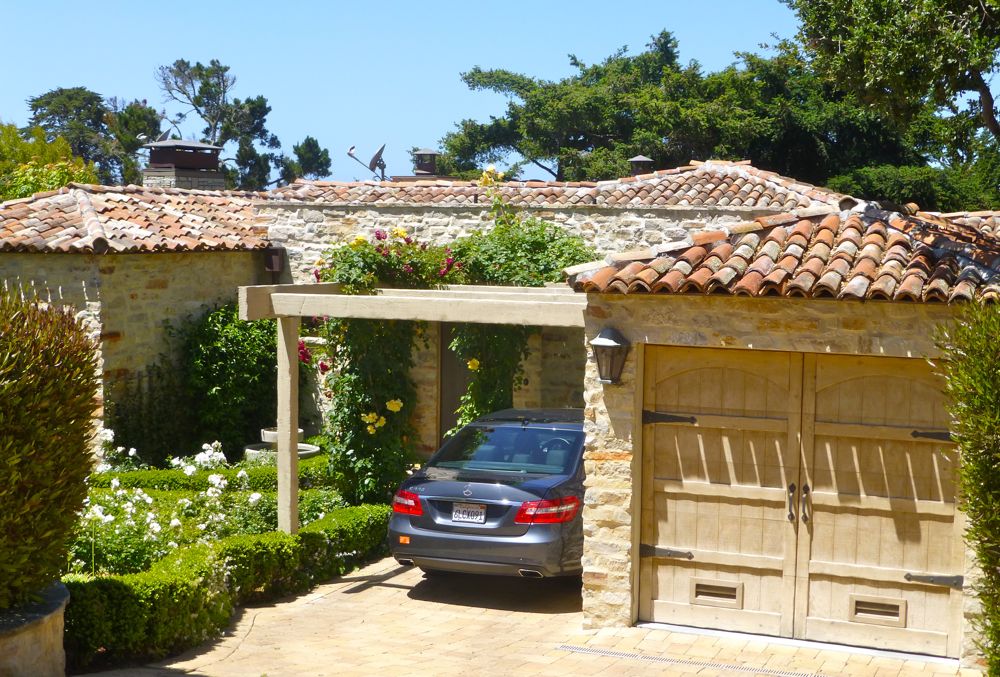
[(313, 472), (189, 596)]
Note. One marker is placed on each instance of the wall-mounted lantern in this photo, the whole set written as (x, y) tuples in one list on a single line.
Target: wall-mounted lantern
[(610, 350)]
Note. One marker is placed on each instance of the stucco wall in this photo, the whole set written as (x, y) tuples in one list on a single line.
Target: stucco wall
[(612, 454)]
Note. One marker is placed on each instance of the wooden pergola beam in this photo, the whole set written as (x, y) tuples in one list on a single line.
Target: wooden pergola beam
[(545, 306)]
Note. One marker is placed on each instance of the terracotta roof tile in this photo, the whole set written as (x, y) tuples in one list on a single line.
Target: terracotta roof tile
[(84, 218), (874, 255), (702, 184)]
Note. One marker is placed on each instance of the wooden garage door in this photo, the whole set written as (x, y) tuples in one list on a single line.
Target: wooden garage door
[(883, 542), (719, 547), (800, 496)]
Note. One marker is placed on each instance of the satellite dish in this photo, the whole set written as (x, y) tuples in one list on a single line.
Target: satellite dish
[(164, 135), (350, 151), (376, 161)]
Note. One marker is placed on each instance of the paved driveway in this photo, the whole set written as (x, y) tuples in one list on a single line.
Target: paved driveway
[(390, 620)]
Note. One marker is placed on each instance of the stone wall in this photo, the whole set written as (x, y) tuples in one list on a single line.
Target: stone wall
[(612, 453), (307, 230), (143, 293)]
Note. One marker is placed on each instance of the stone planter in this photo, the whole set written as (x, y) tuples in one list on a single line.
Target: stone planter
[(31, 637), (264, 450)]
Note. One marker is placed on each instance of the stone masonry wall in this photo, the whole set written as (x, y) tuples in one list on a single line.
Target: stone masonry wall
[(613, 447), (307, 230), (142, 293)]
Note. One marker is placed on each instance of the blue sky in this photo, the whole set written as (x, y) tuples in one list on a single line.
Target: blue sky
[(359, 73)]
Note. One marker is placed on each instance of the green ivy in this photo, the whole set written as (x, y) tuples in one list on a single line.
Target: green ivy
[(971, 348)]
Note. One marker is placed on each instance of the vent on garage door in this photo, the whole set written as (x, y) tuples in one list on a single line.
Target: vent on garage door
[(712, 592), (878, 610)]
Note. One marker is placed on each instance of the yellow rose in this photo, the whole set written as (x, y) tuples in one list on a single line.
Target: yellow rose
[(473, 364), (381, 422), (394, 405), (359, 240), (371, 430), (399, 232)]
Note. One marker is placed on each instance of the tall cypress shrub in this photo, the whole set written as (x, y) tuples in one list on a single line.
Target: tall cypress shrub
[(48, 389), (971, 348)]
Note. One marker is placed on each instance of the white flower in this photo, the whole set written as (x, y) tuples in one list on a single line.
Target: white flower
[(184, 502), (253, 498), (171, 544), (189, 470), (176, 462), (174, 523), (129, 507), (102, 467), (218, 481), (131, 452), (106, 435), (212, 492), (155, 527), (241, 475), (115, 482), (148, 499), (206, 447), (202, 526)]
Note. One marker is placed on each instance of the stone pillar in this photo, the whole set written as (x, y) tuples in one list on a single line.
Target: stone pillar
[(608, 510), (31, 638)]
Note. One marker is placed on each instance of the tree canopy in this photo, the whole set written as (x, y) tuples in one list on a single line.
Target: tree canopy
[(773, 110), (777, 109), (901, 55), (206, 91)]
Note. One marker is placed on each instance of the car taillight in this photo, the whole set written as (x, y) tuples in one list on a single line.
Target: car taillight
[(407, 503), (549, 511)]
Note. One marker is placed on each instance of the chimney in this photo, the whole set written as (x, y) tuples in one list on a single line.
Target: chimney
[(425, 162), (175, 163), (641, 165)]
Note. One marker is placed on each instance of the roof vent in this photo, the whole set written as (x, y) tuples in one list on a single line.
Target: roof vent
[(641, 165), (425, 162)]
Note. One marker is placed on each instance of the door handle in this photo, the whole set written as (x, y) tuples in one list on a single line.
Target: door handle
[(804, 504), (791, 502)]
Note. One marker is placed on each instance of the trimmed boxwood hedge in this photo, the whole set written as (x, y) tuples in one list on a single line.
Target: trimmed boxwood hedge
[(189, 596), (313, 472)]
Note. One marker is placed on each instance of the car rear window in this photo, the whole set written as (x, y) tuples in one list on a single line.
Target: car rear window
[(537, 450)]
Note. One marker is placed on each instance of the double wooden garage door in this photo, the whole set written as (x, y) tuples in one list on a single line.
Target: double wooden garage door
[(800, 495)]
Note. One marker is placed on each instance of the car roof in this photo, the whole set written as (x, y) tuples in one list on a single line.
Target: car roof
[(533, 416)]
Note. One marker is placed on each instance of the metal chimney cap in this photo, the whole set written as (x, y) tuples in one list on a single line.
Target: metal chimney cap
[(640, 158), (181, 143)]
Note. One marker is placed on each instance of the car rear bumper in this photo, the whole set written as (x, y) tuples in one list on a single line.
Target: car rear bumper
[(544, 550)]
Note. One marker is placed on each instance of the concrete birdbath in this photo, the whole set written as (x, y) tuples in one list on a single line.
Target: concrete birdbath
[(267, 448)]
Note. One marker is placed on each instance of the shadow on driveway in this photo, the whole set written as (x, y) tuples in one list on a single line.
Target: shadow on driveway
[(542, 596)]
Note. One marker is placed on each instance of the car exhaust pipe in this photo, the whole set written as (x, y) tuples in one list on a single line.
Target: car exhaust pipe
[(405, 562), (529, 573)]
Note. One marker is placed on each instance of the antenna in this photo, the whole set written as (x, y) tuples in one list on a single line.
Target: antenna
[(375, 163)]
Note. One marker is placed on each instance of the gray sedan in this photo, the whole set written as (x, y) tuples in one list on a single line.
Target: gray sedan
[(501, 496)]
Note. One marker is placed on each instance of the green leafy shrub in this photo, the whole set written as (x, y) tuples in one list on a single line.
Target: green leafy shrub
[(313, 473), (971, 348), (188, 597), (230, 377), (48, 386)]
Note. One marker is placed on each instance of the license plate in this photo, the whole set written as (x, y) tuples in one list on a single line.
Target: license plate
[(468, 512)]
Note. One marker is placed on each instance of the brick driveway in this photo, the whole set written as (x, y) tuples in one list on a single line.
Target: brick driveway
[(390, 620)]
